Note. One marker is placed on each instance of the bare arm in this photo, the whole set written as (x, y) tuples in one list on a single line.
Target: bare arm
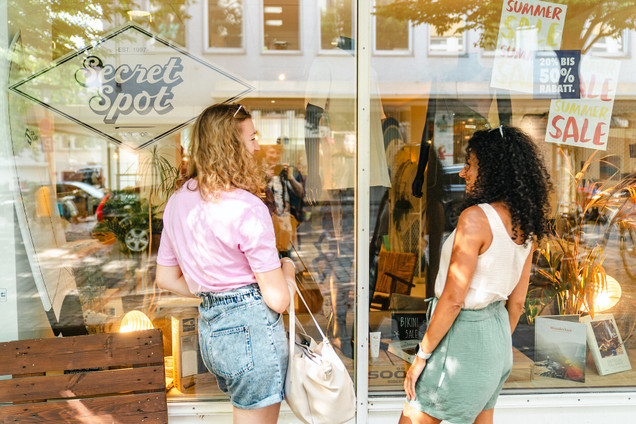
[(517, 298), (171, 278), (273, 285), (473, 236), (296, 187), (473, 233)]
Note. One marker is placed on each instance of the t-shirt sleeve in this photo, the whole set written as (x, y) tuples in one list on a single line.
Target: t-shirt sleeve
[(257, 240), (165, 254)]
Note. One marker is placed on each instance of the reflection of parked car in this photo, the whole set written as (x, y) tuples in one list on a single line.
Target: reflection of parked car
[(76, 199), (124, 214), (454, 191), (92, 175)]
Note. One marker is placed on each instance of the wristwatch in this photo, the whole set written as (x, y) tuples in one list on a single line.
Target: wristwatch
[(421, 354)]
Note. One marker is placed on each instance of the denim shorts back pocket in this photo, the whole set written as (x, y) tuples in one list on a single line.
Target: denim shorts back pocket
[(271, 316), (230, 352)]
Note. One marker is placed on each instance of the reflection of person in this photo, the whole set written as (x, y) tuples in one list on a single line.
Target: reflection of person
[(466, 353), (218, 242), (330, 146), (285, 185)]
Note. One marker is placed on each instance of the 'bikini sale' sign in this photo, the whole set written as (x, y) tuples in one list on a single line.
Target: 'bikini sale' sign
[(131, 87), (526, 26)]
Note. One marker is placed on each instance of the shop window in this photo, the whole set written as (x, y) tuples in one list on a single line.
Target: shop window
[(225, 25), (336, 25), (392, 35), (281, 25), (451, 42), (107, 254)]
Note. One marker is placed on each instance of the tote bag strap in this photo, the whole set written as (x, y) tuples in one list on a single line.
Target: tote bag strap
[(292, 316), (292, 321)]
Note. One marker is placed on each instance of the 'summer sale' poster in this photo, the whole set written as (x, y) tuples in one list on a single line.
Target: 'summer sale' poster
[(525, 27)]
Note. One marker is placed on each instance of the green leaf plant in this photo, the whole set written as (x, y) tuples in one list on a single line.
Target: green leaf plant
[(569, 272)]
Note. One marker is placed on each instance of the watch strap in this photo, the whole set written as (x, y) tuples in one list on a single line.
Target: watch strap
[(421, 354)]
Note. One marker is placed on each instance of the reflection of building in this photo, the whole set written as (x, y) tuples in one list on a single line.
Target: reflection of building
[(271, 46)]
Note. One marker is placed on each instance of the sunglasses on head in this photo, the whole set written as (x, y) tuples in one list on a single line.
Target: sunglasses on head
[(237, 110), (500, 128)]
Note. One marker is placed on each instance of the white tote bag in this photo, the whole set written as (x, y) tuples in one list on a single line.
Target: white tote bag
[(318, 388)]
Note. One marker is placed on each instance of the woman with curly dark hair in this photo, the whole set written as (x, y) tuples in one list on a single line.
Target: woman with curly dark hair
[(466, 353)]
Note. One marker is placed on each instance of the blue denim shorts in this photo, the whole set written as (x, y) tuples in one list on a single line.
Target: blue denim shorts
[(244, 344)]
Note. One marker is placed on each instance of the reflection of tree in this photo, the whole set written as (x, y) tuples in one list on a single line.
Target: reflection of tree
[(391, 33), (67, 25), (586, 21), (226, 20)]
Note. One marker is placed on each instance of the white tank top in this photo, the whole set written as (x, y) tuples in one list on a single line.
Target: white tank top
[(498, 268)]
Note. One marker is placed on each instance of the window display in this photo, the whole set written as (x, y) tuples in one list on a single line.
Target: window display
[(584, 267), (100, 106)]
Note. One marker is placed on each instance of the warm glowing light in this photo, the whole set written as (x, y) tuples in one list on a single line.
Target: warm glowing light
[(281, 77), (138, 13), (115, 156), (608, 297), (135, 321)]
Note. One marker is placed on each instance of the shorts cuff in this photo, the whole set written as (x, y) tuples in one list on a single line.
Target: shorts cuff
[(268, 401)]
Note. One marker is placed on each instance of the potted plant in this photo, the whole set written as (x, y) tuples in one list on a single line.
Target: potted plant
[(569, 272)]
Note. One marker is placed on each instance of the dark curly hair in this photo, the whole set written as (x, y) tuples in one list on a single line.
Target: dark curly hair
[(511, 170)]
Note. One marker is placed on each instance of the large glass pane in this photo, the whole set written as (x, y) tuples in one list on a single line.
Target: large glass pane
[(434, 104), (101, 102)]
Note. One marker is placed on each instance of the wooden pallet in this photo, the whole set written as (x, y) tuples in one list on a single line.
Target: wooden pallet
[(100, 378)]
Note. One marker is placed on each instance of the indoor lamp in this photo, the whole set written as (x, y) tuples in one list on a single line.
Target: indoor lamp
[(135, 321)]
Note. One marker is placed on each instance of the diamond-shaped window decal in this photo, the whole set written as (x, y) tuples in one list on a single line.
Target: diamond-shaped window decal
[(131, 87)]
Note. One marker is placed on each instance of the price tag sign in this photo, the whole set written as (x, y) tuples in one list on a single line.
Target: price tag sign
[(556, 74)]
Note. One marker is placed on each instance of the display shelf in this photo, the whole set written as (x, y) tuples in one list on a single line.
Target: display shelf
[(592, 378)]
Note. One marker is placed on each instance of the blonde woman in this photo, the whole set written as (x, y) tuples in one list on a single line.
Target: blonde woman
[(218, 244)]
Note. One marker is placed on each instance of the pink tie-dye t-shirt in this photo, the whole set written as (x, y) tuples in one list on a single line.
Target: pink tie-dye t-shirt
[(218, 244)]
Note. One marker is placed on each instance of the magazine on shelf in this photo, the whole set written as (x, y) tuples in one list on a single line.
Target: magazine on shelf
[(185, 351), (405, 349), (560, 347), (606, 344)]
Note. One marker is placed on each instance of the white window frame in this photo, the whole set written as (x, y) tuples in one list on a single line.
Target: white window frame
[(374, 33), (624, 51), (429, 52), (206, 33), (261, 19), (336, 51)]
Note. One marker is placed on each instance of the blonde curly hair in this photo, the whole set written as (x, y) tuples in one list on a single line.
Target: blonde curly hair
[(218, 158)]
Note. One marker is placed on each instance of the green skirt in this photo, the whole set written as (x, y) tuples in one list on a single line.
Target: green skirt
[(468, 368)]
